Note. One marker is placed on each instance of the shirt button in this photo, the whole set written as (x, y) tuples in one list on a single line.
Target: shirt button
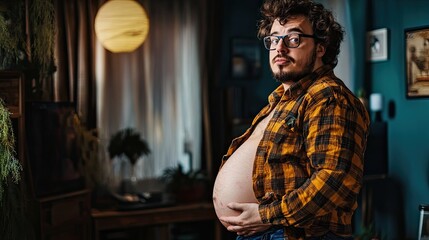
[(269, 194)]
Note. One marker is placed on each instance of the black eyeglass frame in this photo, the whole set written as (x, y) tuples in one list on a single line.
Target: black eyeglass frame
[(286, 43)]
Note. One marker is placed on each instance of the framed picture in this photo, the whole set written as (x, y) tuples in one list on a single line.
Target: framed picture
[(245, 59), (376, 45), (417, 62)]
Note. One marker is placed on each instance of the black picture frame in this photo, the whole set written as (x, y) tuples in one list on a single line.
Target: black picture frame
[(245, 59), (417, 62)]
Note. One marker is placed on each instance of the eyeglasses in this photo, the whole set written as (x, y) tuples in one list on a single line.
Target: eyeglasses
[(291, 40)]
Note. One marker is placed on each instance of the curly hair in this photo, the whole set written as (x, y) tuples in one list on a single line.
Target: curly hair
[(329, 32)]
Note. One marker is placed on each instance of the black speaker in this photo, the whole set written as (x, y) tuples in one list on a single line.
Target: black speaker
[(376, 159)]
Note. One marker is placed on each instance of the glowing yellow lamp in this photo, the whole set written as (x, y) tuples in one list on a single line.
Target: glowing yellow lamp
[(121, 25)]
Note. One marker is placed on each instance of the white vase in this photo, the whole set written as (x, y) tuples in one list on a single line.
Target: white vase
[(133, 179)]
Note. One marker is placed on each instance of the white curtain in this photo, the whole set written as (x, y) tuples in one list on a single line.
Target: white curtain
[(346, 60), (155, 90)]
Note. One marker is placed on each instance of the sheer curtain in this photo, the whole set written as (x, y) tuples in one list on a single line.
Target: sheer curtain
[(156, 89), (159, 89)]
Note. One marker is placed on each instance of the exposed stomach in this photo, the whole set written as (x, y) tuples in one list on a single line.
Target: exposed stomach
[(234, 180)]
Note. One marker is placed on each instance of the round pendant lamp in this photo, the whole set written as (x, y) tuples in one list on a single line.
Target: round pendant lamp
[(121, 25)]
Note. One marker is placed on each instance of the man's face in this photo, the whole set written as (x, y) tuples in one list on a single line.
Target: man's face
[(291, 64)]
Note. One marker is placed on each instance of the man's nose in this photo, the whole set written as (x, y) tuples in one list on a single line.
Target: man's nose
[(281, 46)]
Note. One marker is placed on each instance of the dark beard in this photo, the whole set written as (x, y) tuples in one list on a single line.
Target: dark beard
[(284, 77)]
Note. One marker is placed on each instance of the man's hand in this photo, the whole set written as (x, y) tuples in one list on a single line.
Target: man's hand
[(248, 222)]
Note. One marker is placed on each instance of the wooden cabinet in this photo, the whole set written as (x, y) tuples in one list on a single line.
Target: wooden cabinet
[(61, 216), (66, 216)]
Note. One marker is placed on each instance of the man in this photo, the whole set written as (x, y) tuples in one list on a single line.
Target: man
[(308, 166)]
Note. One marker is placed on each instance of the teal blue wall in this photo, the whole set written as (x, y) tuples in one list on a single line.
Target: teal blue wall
[(240, 21), (408, 130)]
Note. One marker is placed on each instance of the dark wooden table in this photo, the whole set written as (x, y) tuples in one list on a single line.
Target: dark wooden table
[(105, 220)]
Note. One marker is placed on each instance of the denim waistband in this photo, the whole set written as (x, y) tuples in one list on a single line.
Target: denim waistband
[(276, 233)]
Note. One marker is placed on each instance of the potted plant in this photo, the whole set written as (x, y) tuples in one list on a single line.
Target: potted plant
[(127, 142), (184, 186)]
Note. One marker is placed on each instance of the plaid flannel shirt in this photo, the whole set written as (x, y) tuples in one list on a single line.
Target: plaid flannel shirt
[(309, 164)]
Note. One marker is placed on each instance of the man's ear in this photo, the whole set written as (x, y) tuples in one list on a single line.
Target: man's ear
[(321, 49)]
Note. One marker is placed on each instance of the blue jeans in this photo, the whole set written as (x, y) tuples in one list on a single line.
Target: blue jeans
[(270, 234), (277, 234)]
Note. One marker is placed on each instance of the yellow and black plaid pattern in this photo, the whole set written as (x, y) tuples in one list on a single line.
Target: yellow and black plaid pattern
[(309, 165)]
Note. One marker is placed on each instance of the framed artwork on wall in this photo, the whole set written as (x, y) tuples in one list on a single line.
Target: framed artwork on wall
[(245, 59), (376, 45), (417, 62)]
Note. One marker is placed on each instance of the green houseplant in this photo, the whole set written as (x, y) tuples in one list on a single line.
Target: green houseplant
[(12, 37), (13, 214), (128, 142), (27, 41), (188, 186), (10, 167)]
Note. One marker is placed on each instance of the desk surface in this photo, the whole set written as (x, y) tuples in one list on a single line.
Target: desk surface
[(113, 219)]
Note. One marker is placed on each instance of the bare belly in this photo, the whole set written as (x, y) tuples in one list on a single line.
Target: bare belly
[(234, 180)]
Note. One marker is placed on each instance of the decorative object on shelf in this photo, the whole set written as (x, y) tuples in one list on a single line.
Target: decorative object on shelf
[(186, 186), (127, 142), (376, 45), (361, 94), (121, 25), (417, 62), (376, 105)]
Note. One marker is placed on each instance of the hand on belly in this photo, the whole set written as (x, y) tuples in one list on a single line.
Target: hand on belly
[(234, 182)]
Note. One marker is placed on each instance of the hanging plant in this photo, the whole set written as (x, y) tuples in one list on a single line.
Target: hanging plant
[(10, 167), (42, 25), (32, 53), (14, 214), (42, 15), (12, 37)]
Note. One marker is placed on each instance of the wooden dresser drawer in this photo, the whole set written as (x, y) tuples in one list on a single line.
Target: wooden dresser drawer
[(65, 215)]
